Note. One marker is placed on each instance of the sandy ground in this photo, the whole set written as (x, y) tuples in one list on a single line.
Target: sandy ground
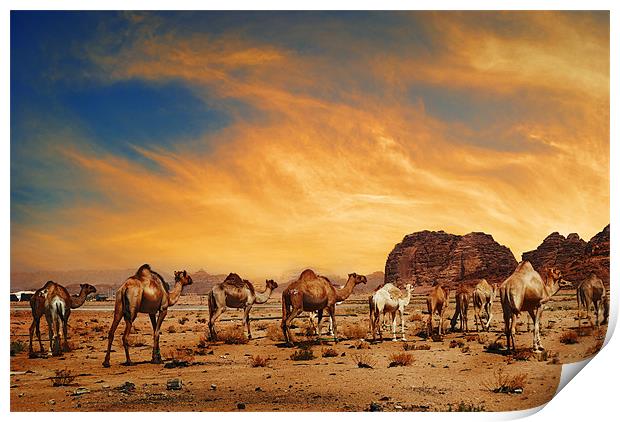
[(220, 378)]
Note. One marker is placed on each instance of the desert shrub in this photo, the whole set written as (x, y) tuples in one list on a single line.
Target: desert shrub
[(201, 320), (407, 347), (354, 331), (92, 320), (401, 359), (569, 337), (98, 328), (135, 341), (260, 326), (303, 354), (17, 347), (258, 361), (232, 335), (504, 383), (329, 352), (465, 349), (362, 345), (482, 339), (203, 342), (183, 320), (594, 349), (364, 360), (494, 346), (172, 329), (472, 337), (466, 407), (456, 343), (274, 333), (63, 377), (416, 317), (522, 354)]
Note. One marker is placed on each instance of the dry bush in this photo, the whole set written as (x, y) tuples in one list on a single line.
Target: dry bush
[(456, 343), (274, 332), (329, 352), (401, 359), (504, 383), (260, 326), (408, 347), (135, 341), (494, 346), (258, 361), (183, 320), (569, 337), (354, 331), (62, 378), (182, 355), (303, 354), (465, 349), (521, 354), (98, 328), (201, 320), (172, 329), (17, 347), (364, 361), (362, 345), (203, 342), (482, 338), (472, 337), (416, 317), (233, 335), (466, 407), (307, 329), (594, 349)]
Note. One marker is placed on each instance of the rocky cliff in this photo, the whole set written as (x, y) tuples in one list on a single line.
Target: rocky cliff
[(426, 256), (574, 256)]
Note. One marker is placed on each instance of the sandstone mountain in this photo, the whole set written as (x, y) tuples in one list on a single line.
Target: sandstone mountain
[(574, 256), (428, 256)]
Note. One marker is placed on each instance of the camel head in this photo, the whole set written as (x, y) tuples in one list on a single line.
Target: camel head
[(88, 289), (183, 278), (555, 281), (271, 284), (409, 287), (357, 279)]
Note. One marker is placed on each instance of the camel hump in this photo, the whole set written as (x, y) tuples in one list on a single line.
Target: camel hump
[(525, 266), (233, 279), (143, 271), (394, 292), (159, 278), (307, 274)]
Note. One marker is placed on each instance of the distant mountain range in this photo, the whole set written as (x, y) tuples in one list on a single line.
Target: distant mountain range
[(203, 282)]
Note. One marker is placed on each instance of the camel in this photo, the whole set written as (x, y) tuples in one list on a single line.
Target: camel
[(437, 302), (312, 292), (54, 301), (389, 299), (483, 296), (525, 290), (461, 297), (592, 291), (235, 292), (144, 292)]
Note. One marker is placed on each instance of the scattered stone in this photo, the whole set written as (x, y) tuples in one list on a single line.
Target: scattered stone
[(52, 402), (213, 387), (174, 384), (541, 355), (384, 398), (398, 407), (240, 406), (518, 391), (375, 407), (80, 390), (258, 389), (176, 364), (127, 387), (20, 395)]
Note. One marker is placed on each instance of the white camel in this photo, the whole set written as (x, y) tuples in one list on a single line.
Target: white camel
[(389, 300)]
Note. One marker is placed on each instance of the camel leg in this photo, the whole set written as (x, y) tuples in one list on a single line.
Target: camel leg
[(508, 328), (393, 316), (596, 304), (332, 314), (56, 347), (156, 357), (118, 315), (319, 322), (128, 323), (246, 320), (35, 323), (218, 312), (536, 335), (442, 310), (402, 323), (65, 330), (39, 335), (430, 325), (286, 323), (488, 307)]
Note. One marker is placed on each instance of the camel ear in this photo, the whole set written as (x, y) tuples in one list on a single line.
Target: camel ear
[(184, 273)]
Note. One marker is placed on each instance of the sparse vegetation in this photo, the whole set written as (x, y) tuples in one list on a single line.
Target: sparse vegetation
[(183, 320), (466, 407), (415, 317), (569, 337), (258, 361), (62, 378), (329, 352), (408, 347), (302, 354), (172, 329), (201, 320), (592, 350), (362, 345), (401, 359), (354, 331), (364, 360), (521, 354), (182, 355), (457, 343), (494, 346), (203, 342), (233, 335), (17, 347), (274, 333), (504, 383)]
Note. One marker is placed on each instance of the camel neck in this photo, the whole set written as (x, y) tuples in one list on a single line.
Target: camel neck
[(262, 297), (175, 293), (77, 301), (345, 292)]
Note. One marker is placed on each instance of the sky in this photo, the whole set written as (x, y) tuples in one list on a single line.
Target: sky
[(259, 142)]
